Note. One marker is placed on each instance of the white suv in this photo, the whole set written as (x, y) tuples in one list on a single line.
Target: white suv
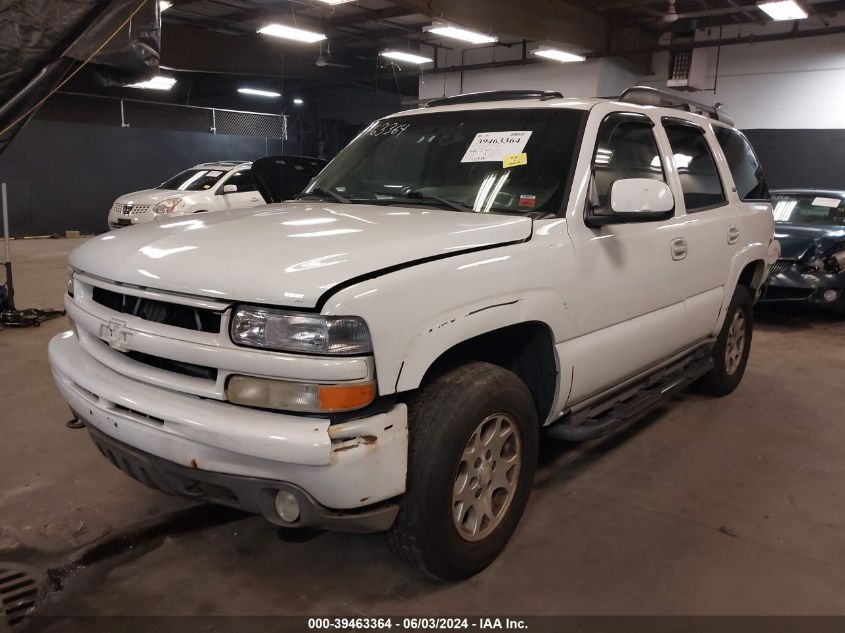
[(386, 352), (207, 187)]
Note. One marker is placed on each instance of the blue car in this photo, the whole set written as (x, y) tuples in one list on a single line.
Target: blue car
[(810, 226)]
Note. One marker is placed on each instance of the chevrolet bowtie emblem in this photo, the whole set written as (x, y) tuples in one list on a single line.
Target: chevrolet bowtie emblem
[(116, 335)]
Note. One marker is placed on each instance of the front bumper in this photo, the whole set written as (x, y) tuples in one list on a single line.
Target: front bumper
[(245, 493), (341, 467), (805, 286)]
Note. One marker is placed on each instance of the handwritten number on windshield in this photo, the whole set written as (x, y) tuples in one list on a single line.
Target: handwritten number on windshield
[(388, 128)]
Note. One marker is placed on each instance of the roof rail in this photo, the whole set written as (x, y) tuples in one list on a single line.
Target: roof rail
[(646, 95), (494, 95)]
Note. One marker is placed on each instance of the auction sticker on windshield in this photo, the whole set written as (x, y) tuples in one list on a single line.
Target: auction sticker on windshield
[(826, 202), (495, 146)]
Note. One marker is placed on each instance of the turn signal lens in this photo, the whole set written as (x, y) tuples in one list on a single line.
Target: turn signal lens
[(346, 397), (294, 396)]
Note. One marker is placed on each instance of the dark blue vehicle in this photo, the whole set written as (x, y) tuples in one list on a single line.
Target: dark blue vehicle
[(810, 226)]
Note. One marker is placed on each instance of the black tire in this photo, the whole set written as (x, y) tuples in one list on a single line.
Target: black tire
[(443, 416), (721, 381)]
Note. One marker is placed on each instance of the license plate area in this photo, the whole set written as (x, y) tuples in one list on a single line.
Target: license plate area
[(124, 221)]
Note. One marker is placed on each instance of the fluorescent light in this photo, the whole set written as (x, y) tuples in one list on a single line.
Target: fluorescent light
[(164, 5), (156, 83), (558, 55), (783, 10), (457, 33), (298, 101), (291, 33), (259, 93), (407, 57)]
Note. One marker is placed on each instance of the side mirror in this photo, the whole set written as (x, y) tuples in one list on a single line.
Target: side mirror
[(634, 200), (230, 189)]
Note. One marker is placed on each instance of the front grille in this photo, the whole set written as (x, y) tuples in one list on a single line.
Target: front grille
[(134, 209), (778, 293), (780, 266), (176, 366), (187, 317)]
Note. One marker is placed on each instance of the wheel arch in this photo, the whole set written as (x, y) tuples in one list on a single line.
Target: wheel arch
[(527, 349)]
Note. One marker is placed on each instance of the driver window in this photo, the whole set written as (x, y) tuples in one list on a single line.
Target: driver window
[(242, 180), (626, 148)]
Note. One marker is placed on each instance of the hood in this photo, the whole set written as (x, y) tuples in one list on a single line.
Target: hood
[(151, 196), (796, 240), (286, 254)]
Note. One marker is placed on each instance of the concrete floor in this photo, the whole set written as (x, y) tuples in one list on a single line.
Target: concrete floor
[(730, 506)]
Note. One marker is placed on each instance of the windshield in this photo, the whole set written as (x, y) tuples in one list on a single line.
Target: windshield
[(194, 180), (810, 210), (508, 161)]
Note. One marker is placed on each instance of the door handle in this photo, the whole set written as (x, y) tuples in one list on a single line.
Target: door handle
[(679, 248), (733, 235)]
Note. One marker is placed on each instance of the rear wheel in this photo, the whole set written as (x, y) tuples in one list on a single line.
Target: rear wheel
[(473, 452), (730, 354)]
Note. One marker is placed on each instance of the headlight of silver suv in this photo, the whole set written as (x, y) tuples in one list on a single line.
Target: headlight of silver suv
[(285, 331), (168, 205), (69, 281)]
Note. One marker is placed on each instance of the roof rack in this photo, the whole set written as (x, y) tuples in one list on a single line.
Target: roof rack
[(646, 95), (494, 95)]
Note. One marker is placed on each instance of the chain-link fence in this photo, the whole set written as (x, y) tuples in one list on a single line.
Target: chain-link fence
[(148, 114)]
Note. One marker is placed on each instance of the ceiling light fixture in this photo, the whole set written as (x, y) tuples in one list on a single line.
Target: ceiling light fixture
[(298, 101), (457, 33), (164, 5), (406, 57), (259, 93), (558, 55), (292, 33), (783, 10), (156, 83)]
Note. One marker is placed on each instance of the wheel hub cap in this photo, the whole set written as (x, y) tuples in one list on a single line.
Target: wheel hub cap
[(487, 477), (735, 343)]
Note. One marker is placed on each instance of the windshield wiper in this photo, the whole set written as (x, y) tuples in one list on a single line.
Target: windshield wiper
[(418, 195), (321, 191)]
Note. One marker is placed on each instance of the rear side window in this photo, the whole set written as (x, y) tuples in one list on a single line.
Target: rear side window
[(745, 168), (626, 148), (696, 167)]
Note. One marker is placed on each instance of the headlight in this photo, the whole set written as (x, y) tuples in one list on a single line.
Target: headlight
[(297, 332), (69, 281), (168, 205)]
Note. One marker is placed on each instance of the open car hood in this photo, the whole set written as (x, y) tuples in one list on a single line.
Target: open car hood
[(797, 239), (279, 178), (287, 254)]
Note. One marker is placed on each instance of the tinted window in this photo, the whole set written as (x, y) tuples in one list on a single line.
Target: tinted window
[(194, 180), (242, 180), (696, 167), (745, 168), (626, 148), (460, 157)]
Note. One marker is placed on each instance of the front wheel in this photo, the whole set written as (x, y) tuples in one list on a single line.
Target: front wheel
[(473, 452), (733, 345)]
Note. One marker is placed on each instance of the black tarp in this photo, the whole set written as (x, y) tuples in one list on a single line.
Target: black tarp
[(43, 42)]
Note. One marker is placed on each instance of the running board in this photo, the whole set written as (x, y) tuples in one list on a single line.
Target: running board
[(641, 401)]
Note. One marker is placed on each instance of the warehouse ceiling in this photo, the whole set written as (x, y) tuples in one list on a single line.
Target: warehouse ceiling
[(220, 35), (216, 45)]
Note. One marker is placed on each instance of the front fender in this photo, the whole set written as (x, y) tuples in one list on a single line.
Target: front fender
[(418, 313)]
